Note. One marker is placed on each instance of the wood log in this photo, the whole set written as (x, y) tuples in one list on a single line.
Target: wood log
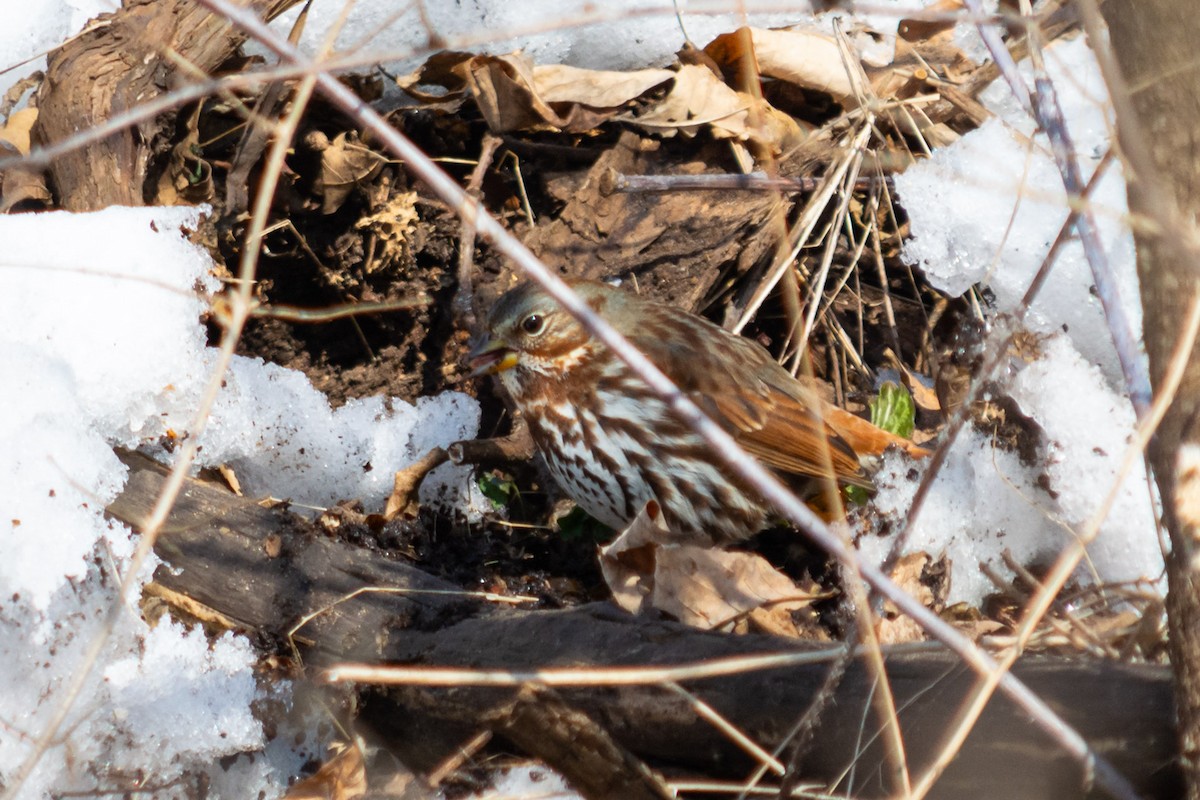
[(216, 546), (263, 570), (124, 59)]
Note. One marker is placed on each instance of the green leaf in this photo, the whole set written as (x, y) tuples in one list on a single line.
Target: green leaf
[(500, 490), (893, 410), (578, 524), (857, 495)]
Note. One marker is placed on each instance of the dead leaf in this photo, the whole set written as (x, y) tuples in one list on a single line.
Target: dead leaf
[(346, 164), (16, 130), (513, 94), (924, 396), (805, 58), (343, 777), (908, 574), (700, 100), (440, 69), (697, 98), (700, 586), (403, 499), (558, 83), (866, 438), (15, 92), (187, 180)]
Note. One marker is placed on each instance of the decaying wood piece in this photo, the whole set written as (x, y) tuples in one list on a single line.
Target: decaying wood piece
[(249, 564), (1158, 113), (599, 768), (1124, 711), (219, 550), (124, 59)]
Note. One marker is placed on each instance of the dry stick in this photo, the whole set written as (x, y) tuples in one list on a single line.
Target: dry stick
[(800, 736), (889, 312), (989, 368), (818, 285), (466, 238), (1044, 108), (577, 677), (847, 774), (865, 627), (826, 303), (320, 316), (1071, 555), (722, 444), (240, 304), (613, 181), (882, 700), (704, 711)]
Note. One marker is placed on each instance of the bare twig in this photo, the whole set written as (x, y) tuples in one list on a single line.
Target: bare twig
[(319, 316), (613, 181), (1043, 106), (591, 676), (463, 312)]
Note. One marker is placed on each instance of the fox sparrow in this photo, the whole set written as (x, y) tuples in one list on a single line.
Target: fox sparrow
[(612, 444)]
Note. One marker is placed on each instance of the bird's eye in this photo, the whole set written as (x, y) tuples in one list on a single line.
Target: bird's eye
[(533, 324)]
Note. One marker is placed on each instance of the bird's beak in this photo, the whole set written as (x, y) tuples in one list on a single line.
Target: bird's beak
[(491, 357)]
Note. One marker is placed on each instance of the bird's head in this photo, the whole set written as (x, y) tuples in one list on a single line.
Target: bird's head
[(529, 334)]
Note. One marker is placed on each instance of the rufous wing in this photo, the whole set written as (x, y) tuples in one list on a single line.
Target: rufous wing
[(764, 408)]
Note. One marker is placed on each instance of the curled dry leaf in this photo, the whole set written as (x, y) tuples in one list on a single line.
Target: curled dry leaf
[(699, 100), (513, 94), (700, 586), (439, 70), (346, 163), (343, 777), (187, 180), (805, 58)]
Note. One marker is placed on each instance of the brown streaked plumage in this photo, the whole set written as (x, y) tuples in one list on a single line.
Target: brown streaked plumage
[(612, 444)]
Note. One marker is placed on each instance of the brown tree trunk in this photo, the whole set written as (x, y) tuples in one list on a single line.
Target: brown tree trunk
[(1155, 44), (125, 59)]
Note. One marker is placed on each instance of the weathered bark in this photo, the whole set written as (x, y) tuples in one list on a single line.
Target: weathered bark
[(249, 564), (124, 59), (1155, 42)]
